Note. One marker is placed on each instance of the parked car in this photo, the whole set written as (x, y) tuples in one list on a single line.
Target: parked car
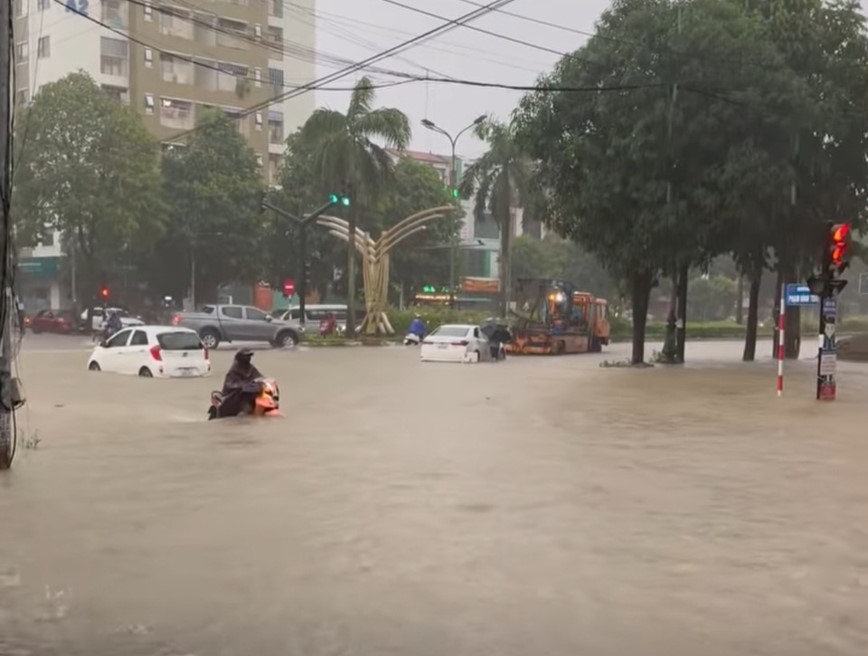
[(99, 317), (50, 321), (152, 352), (316, 313), (456, 343), (238, 323)]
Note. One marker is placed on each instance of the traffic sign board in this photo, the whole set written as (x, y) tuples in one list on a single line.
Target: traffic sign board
[(830, 307), (798, 295), (289, 287)]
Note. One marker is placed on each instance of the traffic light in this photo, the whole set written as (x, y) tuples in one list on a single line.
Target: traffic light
[(307, 277), (339, 199), (104, 293), (839, 248), (455, 193)]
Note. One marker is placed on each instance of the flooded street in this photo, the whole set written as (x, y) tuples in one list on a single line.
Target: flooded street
[(541, 506)]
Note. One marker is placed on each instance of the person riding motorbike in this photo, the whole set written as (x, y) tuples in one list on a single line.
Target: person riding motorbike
[(239, 384), (113, 324), (417, 327)]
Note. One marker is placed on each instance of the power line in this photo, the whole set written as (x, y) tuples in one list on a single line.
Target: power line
[(531, 19), (404, 45)]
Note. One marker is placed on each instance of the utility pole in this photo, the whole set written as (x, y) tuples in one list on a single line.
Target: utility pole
[(453, 190), (7, 427), (303, 224)]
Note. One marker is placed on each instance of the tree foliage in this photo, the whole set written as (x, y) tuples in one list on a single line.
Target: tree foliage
[(87, 167), (213, 189)]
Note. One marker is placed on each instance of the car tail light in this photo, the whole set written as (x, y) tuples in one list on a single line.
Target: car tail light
[(155, 353), (176, 319), (463, 342)]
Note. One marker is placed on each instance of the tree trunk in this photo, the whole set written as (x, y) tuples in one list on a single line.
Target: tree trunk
[(681, 329), (752, 317), (641, 286), (670, 349), (505, 261), (739, 304)]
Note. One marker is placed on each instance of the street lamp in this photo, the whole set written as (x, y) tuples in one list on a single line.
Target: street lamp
[(453, 183)]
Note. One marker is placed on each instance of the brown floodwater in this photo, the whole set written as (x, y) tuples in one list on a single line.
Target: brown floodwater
[(541, 506)]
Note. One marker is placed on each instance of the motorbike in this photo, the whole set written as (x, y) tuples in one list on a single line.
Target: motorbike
[(412, 339), (260, 398)]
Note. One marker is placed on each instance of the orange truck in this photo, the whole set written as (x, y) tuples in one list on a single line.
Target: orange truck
[(553, 317)]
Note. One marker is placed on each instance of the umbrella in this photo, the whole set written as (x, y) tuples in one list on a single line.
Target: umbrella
[(496, 331)]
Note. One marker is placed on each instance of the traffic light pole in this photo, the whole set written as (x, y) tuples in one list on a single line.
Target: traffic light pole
[(303, 224)]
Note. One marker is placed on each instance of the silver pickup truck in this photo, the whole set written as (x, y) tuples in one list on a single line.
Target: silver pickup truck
[(238, 323)]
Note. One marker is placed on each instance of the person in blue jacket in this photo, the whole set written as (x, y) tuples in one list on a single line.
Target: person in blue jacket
[(417, 327)]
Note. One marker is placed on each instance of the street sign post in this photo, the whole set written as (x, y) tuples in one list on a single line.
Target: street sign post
[(288, 288), (800, 295), (828, 356)]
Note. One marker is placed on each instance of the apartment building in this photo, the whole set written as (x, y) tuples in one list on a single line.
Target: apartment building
[(223, 54)]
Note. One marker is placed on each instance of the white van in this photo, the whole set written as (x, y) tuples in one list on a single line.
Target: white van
[(315, 314)]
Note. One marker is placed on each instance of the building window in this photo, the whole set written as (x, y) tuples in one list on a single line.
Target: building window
[(227, 78), (231, 33), (275, 8), (176, 114), (149, 11), (257, 76), (114, 13), (149, 58), (259, 160), (274, 37), (275, 76), (205, 76), (43, 47), (118, 94), (257, 31), (47, 237), (273, 169), (258, 119), (22, 97), (42, 5), (149, 103), (21, 8), (275, 127), (176, 70), (114, 55), (22, 52), (175, 22), (205, 29)]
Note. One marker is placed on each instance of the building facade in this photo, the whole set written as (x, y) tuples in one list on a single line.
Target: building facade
[(199, 54)]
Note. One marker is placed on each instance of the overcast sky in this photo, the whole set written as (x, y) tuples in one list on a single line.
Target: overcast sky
[(356, 29)]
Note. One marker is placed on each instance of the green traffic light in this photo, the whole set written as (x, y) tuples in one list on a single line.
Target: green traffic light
[(454, 192), (345, 201), (336, 199), (333, 198)]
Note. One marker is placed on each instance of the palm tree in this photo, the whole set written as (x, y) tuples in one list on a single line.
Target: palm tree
[(347, 158), (501, 182)]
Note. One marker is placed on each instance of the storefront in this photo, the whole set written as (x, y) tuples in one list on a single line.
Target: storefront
[(38, 283)]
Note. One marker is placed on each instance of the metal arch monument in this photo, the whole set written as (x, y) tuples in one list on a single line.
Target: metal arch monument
[(375, 260)]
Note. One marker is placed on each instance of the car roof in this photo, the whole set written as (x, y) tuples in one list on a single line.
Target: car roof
[(466, 326), (159, 330)]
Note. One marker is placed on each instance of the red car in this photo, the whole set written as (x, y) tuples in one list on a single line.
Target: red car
[(48, 321)]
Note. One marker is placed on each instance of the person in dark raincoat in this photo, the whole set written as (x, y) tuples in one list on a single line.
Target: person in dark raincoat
[(238, 384)]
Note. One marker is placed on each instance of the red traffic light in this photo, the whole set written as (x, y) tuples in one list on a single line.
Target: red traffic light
[(839, 236), (288, 287), (104, 293)]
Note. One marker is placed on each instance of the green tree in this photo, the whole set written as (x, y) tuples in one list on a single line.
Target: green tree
[(345, 155), (87, 167), (421, 257), (557, 258), (213, 189), (500, 182)]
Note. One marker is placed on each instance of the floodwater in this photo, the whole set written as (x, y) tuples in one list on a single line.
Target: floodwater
[(541, 506)]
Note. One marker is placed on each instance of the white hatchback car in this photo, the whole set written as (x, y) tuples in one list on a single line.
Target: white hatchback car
[(456, 343), (149, 351)]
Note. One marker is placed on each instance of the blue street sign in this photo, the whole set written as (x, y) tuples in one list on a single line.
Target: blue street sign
[(800, 295)]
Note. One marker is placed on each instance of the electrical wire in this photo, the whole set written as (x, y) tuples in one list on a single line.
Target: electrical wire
[(385, 54)]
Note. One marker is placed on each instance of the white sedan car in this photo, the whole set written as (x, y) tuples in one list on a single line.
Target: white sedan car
[(152, 351), (98, 318), (456, 343)]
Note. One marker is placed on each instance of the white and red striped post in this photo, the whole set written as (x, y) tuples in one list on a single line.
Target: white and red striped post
[(781, 323)]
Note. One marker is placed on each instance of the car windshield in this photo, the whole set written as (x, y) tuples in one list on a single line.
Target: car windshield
[(450, 331), (179, 341)]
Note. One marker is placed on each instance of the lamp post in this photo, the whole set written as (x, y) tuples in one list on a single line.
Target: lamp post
[(453, 175)]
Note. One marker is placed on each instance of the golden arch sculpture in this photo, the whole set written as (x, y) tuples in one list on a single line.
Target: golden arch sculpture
[(375, 260)]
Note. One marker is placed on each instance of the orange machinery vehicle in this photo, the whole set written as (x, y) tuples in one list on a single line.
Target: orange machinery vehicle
[(552, 317)]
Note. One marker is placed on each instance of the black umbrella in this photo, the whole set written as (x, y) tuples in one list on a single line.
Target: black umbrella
[(496, 331)]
